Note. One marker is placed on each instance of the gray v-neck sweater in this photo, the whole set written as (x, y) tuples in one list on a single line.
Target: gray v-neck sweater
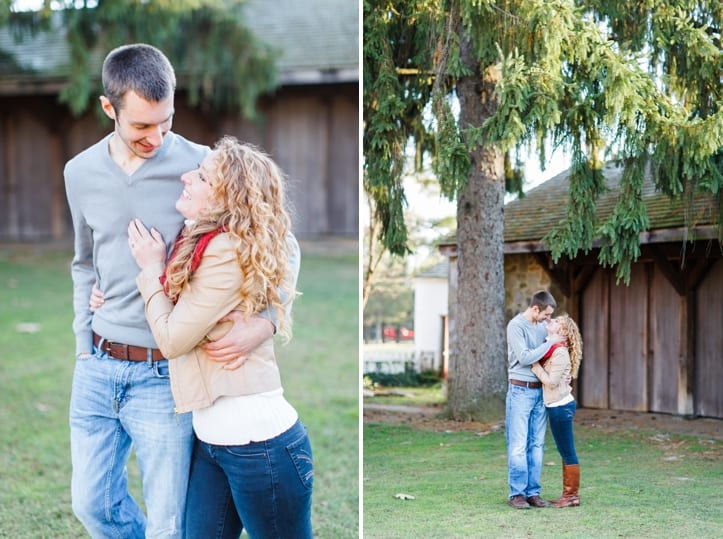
[(526, 344), (103, 199)]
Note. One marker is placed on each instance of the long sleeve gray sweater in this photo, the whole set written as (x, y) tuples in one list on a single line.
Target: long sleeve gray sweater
[(103, 199), (525, 345)]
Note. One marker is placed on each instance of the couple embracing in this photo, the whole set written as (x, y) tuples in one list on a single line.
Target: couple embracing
[(544, 355), (195, 268)]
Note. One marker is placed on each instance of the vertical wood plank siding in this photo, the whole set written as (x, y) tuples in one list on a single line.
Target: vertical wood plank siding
[(667, 335), (709, 344), (595, 323), (311, 131), (647, 348)]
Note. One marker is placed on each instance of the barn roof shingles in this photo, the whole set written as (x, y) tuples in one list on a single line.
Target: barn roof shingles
[(531, 217)]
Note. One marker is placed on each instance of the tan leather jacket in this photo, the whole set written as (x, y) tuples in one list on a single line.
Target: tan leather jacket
[(180, 330), (554, 376)]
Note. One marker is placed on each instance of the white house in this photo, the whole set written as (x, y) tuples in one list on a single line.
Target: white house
[(430, 316)]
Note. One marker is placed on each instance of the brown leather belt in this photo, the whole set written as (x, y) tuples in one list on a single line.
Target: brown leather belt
[(531, 385), (126, 352)]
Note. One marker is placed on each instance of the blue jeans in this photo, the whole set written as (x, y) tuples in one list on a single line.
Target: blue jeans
[(115, 404), (262, 487), (525, 425), (561, 426)]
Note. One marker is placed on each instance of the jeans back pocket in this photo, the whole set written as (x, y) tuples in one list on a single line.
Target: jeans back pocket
[(300, 453)]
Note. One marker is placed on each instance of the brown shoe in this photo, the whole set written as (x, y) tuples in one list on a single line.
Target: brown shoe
[(536, 501), (519, 502)]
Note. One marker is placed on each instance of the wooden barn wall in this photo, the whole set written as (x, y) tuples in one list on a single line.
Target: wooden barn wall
[(312, 132), (622, 361), (595, 366), (29, 186), (343, 173), (709, 344), (628, 343), (637, 351), (305, 144), (667, 339)]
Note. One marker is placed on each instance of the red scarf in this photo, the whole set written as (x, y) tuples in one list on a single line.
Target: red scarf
[(548, 354), (197, 252)]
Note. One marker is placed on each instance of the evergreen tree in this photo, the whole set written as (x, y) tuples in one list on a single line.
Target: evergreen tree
[(218, 61), (634, 81)]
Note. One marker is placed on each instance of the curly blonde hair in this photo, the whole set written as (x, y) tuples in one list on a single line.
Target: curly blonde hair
[(246, 200), (569, 329)]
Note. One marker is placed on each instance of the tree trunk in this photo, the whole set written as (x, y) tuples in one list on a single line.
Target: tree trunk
[(478, 353)]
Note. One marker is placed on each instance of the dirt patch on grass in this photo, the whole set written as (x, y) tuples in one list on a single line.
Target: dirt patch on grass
[(663, 423), (431, 418)]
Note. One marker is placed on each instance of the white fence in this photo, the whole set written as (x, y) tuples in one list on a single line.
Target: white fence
[(389, 361)]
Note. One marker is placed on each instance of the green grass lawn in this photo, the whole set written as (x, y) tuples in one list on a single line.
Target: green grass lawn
[(635, 483), (319, 370)]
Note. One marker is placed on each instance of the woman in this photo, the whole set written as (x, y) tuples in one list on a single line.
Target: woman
[(561, 364), (252, 465)]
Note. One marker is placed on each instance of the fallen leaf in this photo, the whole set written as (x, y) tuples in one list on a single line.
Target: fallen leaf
[(28, 327)]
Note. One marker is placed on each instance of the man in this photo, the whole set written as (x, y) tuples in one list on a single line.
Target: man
[(121, 394), (525, 415)]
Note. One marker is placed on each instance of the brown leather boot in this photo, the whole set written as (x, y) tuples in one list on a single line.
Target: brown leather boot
[(570, 486)]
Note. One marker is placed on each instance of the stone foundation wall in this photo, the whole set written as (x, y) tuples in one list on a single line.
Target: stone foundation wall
[(523, 277)]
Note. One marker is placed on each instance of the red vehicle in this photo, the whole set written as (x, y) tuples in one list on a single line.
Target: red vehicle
[(390, 332)]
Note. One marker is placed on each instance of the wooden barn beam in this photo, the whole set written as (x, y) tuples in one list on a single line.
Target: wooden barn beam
[(579, 277), (668, 235), (696, 274), (32, 86), (674, 275), (686, 356), (556, 273), (581, 280)]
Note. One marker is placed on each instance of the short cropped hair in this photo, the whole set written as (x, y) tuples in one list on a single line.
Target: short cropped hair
[(138, 67), (542, 299)]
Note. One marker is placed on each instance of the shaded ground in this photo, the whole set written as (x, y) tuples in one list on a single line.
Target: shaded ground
[(429, 417)]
